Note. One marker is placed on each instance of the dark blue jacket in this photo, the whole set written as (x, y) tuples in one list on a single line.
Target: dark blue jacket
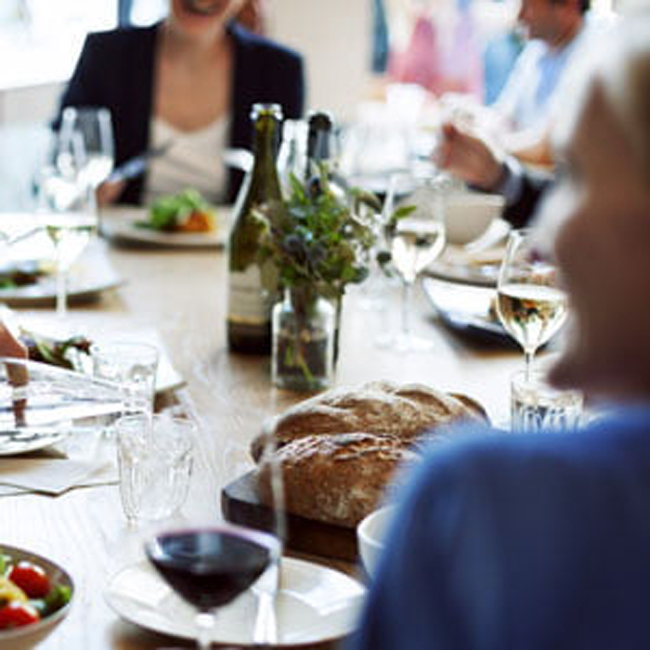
[(116, 70), (521, 542)]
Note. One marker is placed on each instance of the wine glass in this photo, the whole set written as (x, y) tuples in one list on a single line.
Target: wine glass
[(415, 233), (531, 306), (95, 127), (67, 209), (209, 566)]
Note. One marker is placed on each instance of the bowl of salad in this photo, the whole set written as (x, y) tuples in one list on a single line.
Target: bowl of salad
[(35, 596)]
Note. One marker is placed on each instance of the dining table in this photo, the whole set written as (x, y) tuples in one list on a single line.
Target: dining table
[(182, 294)]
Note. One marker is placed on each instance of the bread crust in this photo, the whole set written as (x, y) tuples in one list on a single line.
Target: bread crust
[(338, 479), (405, 411)]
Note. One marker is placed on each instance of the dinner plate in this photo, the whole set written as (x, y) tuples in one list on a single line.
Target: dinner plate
[(21, 638), (120, 224), (315, 604), (467, 309), (89, 277), (477, 263), (23, 440)]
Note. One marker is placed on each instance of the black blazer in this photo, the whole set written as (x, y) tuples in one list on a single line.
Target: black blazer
[(116, 70)]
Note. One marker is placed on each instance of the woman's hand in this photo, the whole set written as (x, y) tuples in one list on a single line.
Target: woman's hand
[(109, 191)]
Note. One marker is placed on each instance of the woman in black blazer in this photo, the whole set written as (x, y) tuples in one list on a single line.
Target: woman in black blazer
[(189, 69)]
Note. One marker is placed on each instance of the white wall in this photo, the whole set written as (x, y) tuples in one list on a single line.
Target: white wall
[(335, 37)]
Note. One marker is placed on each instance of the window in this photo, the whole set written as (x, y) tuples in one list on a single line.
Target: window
[(43, 37)]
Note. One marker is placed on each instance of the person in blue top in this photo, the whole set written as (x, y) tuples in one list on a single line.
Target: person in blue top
[(540, 541), (189, 81)]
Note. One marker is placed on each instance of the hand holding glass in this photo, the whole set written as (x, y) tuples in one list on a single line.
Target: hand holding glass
[(530, 305)]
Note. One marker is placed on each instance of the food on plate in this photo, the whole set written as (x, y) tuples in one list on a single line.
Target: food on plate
[(383, 407), (185, 212), (64, 353), (351, 471), (341, 450), (27, 593), (21, 274)]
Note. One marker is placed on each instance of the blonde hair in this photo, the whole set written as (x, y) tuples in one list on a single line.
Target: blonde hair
[(625, 78)]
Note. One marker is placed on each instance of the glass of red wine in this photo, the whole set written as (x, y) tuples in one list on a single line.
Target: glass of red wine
[(209, 566)]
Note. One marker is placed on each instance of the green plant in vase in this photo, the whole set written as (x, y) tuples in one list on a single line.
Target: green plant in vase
[(318, 245)]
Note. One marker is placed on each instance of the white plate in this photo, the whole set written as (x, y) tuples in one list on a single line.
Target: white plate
[(119, 223), (315, 604), (89, 277), (22, 441)]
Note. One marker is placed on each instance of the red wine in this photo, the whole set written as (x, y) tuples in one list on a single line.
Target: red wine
[(210, 567)]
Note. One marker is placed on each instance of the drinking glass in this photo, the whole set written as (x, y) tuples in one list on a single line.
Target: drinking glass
[(155, 464), (67, 209), (531, 306), (415, 239), (209, 566), (536, 406), (133, 366), (95, 127)]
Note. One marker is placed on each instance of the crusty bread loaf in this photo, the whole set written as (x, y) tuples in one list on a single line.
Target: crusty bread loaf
[(338, 478), (405, 411)]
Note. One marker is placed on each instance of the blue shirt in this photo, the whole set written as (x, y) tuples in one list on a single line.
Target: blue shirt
[(527, 542)]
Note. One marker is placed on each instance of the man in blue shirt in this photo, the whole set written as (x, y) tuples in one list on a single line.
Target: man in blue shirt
[(540, 541)]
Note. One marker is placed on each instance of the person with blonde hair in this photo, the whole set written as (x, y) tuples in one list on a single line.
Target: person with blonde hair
[(540, 541)]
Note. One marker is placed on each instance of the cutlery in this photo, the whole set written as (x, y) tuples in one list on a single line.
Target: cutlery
[(137, 165), (238, 159), (265, 632)]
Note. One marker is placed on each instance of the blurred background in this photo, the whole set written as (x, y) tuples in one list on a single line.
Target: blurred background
[(355, 52)]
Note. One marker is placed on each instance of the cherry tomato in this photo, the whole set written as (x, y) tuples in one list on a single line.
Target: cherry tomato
[(31, 578), (17, 614)]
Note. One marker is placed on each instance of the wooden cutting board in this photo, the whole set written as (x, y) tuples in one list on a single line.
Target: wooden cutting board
[(240, 504)]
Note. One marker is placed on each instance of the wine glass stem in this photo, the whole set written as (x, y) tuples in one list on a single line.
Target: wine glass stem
[(205, 626), (406, 308), (528, 356), (62, 293)]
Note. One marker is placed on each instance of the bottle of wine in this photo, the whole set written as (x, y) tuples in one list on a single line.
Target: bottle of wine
[(320, 144), (249, 302)]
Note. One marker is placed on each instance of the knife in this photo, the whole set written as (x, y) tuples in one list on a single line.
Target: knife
[(137, 165)]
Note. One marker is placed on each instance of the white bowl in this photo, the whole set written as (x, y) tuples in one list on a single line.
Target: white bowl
[(469, 214), (371, 532), (27, 636)]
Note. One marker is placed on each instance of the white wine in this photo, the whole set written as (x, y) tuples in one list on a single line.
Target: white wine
[(415, 244), (531, 313), (70, 234)]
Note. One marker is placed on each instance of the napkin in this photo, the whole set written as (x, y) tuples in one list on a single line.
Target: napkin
[(86, 458)]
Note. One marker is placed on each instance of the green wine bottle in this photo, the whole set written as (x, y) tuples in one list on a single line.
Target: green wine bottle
[(322, 152), (249, 302)]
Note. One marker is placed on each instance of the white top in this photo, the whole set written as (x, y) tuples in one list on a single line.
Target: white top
[(194, 160), (527, 98)]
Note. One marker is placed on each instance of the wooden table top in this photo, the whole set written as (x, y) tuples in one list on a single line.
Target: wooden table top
[(182, 294)]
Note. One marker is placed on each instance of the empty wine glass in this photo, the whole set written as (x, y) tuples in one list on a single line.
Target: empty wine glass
[(209, 566), (67, 209), (95, 127), (530, 304), (415, 234)]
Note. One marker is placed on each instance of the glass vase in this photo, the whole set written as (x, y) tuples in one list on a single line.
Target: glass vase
[(303, 341)]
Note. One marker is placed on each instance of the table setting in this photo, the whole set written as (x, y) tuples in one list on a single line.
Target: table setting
[(156, 443)]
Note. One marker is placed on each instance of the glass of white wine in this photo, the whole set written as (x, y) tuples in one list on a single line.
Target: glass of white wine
[(530, 304), (67, 208), (96, 129), (415, 233)]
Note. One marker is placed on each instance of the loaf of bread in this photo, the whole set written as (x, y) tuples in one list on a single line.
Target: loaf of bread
[(339, 478), (406, 411)]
